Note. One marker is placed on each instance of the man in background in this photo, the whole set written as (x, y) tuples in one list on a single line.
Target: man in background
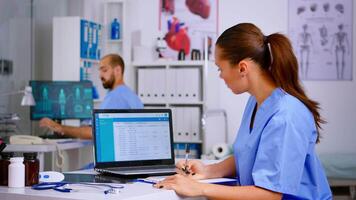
[(119, 97)]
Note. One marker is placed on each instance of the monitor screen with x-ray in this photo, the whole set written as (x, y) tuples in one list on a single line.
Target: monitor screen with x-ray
[(62, 99)]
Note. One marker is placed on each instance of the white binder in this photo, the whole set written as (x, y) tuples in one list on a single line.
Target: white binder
[(195, 80), (175, 124), (171, 85), (153, 84), (141, 84), (186, 124), (195, 124), (160, 77), (185, 84), (180, 79), (180, 123)]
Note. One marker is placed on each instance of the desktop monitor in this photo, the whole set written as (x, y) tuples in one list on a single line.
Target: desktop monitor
[(62, 100)]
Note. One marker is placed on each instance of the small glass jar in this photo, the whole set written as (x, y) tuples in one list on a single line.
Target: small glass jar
[(4, 164), (32, 167)]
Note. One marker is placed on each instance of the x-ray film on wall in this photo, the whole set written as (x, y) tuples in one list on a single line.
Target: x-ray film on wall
[(321, 34)]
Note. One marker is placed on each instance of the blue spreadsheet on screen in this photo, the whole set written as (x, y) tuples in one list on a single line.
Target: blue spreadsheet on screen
[(135, 142)]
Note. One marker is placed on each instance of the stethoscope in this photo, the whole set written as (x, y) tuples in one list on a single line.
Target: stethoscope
[(64, 186)]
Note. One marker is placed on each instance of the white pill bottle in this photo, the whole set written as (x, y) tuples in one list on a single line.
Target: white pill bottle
[(16, 173)]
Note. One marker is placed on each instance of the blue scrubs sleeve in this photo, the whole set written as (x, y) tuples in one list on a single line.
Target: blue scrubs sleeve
[(113, 103), (281, 154)]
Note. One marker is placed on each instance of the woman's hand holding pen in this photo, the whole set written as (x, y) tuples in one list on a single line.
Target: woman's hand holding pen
[(185, 181), (194, 169), (182, 185)]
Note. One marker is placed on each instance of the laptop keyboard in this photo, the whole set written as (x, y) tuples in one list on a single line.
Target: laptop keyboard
[(143, 168)]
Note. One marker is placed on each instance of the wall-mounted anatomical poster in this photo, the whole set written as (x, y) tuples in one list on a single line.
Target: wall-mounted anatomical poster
[(187, 26), (321, 33)]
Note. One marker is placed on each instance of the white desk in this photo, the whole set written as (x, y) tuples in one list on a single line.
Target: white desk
[(131, 191), (135, 191), (48, 147)]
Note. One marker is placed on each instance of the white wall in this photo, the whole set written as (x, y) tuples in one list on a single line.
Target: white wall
[(269, 16), (15, 45), (43, 12), (337, 99)]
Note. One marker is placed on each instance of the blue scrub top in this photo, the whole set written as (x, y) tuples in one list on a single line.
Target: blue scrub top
[(122, 97), (278, 154)]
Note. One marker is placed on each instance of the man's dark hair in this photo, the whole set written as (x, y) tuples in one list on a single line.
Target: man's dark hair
[(115, 60)]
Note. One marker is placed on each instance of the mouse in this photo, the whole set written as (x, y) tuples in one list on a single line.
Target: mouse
[(50, 176)]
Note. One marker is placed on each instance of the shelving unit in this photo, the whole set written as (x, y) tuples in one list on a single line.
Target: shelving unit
[(181, 86), (115, 9), (69, 61), (77, 48)]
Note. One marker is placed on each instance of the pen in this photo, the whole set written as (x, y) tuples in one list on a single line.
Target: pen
[(2, 147), (187, 151), (146, 181)]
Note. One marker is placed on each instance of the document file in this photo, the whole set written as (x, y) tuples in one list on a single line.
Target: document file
[(187, 123), (141, 89), (152, 85), (192, 86), (184, 84), (171, 85)]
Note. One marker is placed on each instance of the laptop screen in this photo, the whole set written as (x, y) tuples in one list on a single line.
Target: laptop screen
[(133, 135)]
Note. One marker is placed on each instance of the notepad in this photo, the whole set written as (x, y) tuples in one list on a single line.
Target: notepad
[(220, 181)]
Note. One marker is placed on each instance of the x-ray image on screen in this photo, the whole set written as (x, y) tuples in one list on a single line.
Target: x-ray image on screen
[(62, 99)]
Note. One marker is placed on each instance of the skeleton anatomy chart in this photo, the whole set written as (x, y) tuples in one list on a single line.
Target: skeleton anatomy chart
[(321, 34)]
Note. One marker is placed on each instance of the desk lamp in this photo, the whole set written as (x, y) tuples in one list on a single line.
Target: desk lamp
[(27, 98)]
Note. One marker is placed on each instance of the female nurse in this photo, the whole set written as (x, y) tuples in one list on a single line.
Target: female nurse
[(274, 151)]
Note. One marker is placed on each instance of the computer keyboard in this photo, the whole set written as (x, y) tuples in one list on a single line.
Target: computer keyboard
[(55, 136), (142, 168)]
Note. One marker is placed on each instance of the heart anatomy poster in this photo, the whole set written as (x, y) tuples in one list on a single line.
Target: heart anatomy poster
[(188, 27), (321, 33)]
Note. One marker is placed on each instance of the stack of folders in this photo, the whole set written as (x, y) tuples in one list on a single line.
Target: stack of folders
[(184, 84), (175, 85), (186, 124), (90, 33), (152, 85)]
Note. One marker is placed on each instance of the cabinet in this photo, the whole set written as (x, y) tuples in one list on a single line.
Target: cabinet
[(77, 48), (182, 87), (78, 45)]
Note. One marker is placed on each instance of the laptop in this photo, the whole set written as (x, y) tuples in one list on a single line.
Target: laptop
[(133, 142)]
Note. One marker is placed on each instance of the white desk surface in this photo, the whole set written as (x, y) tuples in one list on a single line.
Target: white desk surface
[(131, 191), (134, 191), (48, 147)]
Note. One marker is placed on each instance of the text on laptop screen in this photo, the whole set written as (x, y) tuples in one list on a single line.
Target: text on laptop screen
[(132, 136)]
